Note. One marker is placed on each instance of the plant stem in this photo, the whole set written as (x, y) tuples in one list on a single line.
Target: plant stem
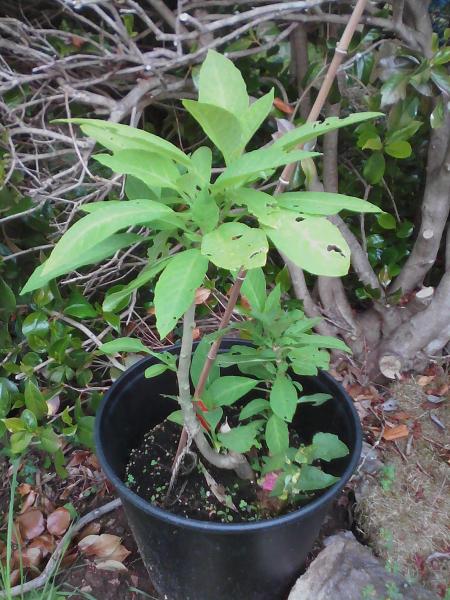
[(232, 460)]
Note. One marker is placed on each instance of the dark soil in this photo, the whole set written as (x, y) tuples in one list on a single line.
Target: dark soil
[(148, 474)]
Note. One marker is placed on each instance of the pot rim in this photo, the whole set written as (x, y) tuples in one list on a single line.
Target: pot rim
[(224, 528)]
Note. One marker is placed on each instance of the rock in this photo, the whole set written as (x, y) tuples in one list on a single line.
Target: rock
[(346, 570)]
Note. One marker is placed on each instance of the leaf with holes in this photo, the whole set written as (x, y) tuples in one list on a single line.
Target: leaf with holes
[(312, 243), (175, 289), (235, 245), (323, 203)]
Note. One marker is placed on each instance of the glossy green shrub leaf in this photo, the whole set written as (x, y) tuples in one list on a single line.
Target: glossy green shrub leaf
[(85, 431), (374, 168), (175, 289), (227, 390), (34, 400), (283, 398), (277, 435), (29, 420), (14, 424), (36, 324), (241, 438), (7, 299), (123, 344), (399, 149), (20, 441), (235, 245), (386, 221), (79, 307), (312, 243)]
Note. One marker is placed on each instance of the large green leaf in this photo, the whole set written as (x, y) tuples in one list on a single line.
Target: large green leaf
[(235, 245), (277, 435), (175, 289), (258, 203), (309, 131), (255, 114), (324, 203), (123, 344), (308, 360), (312, 243), (257, 164), (34, 400), (116, 137), (313, 478), (321, 341), (226, 390), (254, 289), (111, 301), (202, 162), (221, 84), (221, 126), (96, 227), (150, 168), (94, 255), (283, 398), (327, 446), (241, 439), (205, 211)]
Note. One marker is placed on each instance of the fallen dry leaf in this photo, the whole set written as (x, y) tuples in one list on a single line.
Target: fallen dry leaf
[(14, 577), (58, 521), (24, 489), (395, 433), (53, 406), (31, 523), (111, 565), (28, 557), (29, 501), (283, 106), (45, 542), (100, 546), (425, 380), (90, 529), (120, 553), (201, 295)]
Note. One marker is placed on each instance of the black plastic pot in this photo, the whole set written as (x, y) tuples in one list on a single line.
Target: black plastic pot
[(199, 560)]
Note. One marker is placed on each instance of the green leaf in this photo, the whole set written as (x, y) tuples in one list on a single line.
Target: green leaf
[(20, 441), (373, 144), (123, 344), (315, 399), (205, 211), (29, 419), (150, 168), (272, 303), (221, 84), (241, 439), (235, 245), (374, 168), (14, 424), (34, 400), (312, 243), (36, 323), (93, 255), (312, 478), (176, 417), (386, 221), (398, 149), (198, 360), (155, 370), (117, 137), (310, 131), (438, 115), (277, 435), (202, 161), (79, 307), (321, 341), (175, 289), (49, 439), (255, 114), (213, 417), (324, 203), (111, 301), (96, 227), (441, 78), (135, 189), (327, 446), (394, 89), (226, 390), (7, 299), (254, 289), (283, 398), (404, 133), (442, 56), (308, 360), (221, 126), (254, 407), (257, 164), (85, 431)]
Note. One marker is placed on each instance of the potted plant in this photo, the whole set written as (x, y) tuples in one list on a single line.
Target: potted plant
[(270, 437)]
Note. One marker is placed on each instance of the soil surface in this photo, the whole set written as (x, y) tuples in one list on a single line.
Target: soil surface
[(226, 500)]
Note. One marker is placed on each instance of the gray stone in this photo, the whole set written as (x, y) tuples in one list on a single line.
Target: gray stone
[(346, 570)]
